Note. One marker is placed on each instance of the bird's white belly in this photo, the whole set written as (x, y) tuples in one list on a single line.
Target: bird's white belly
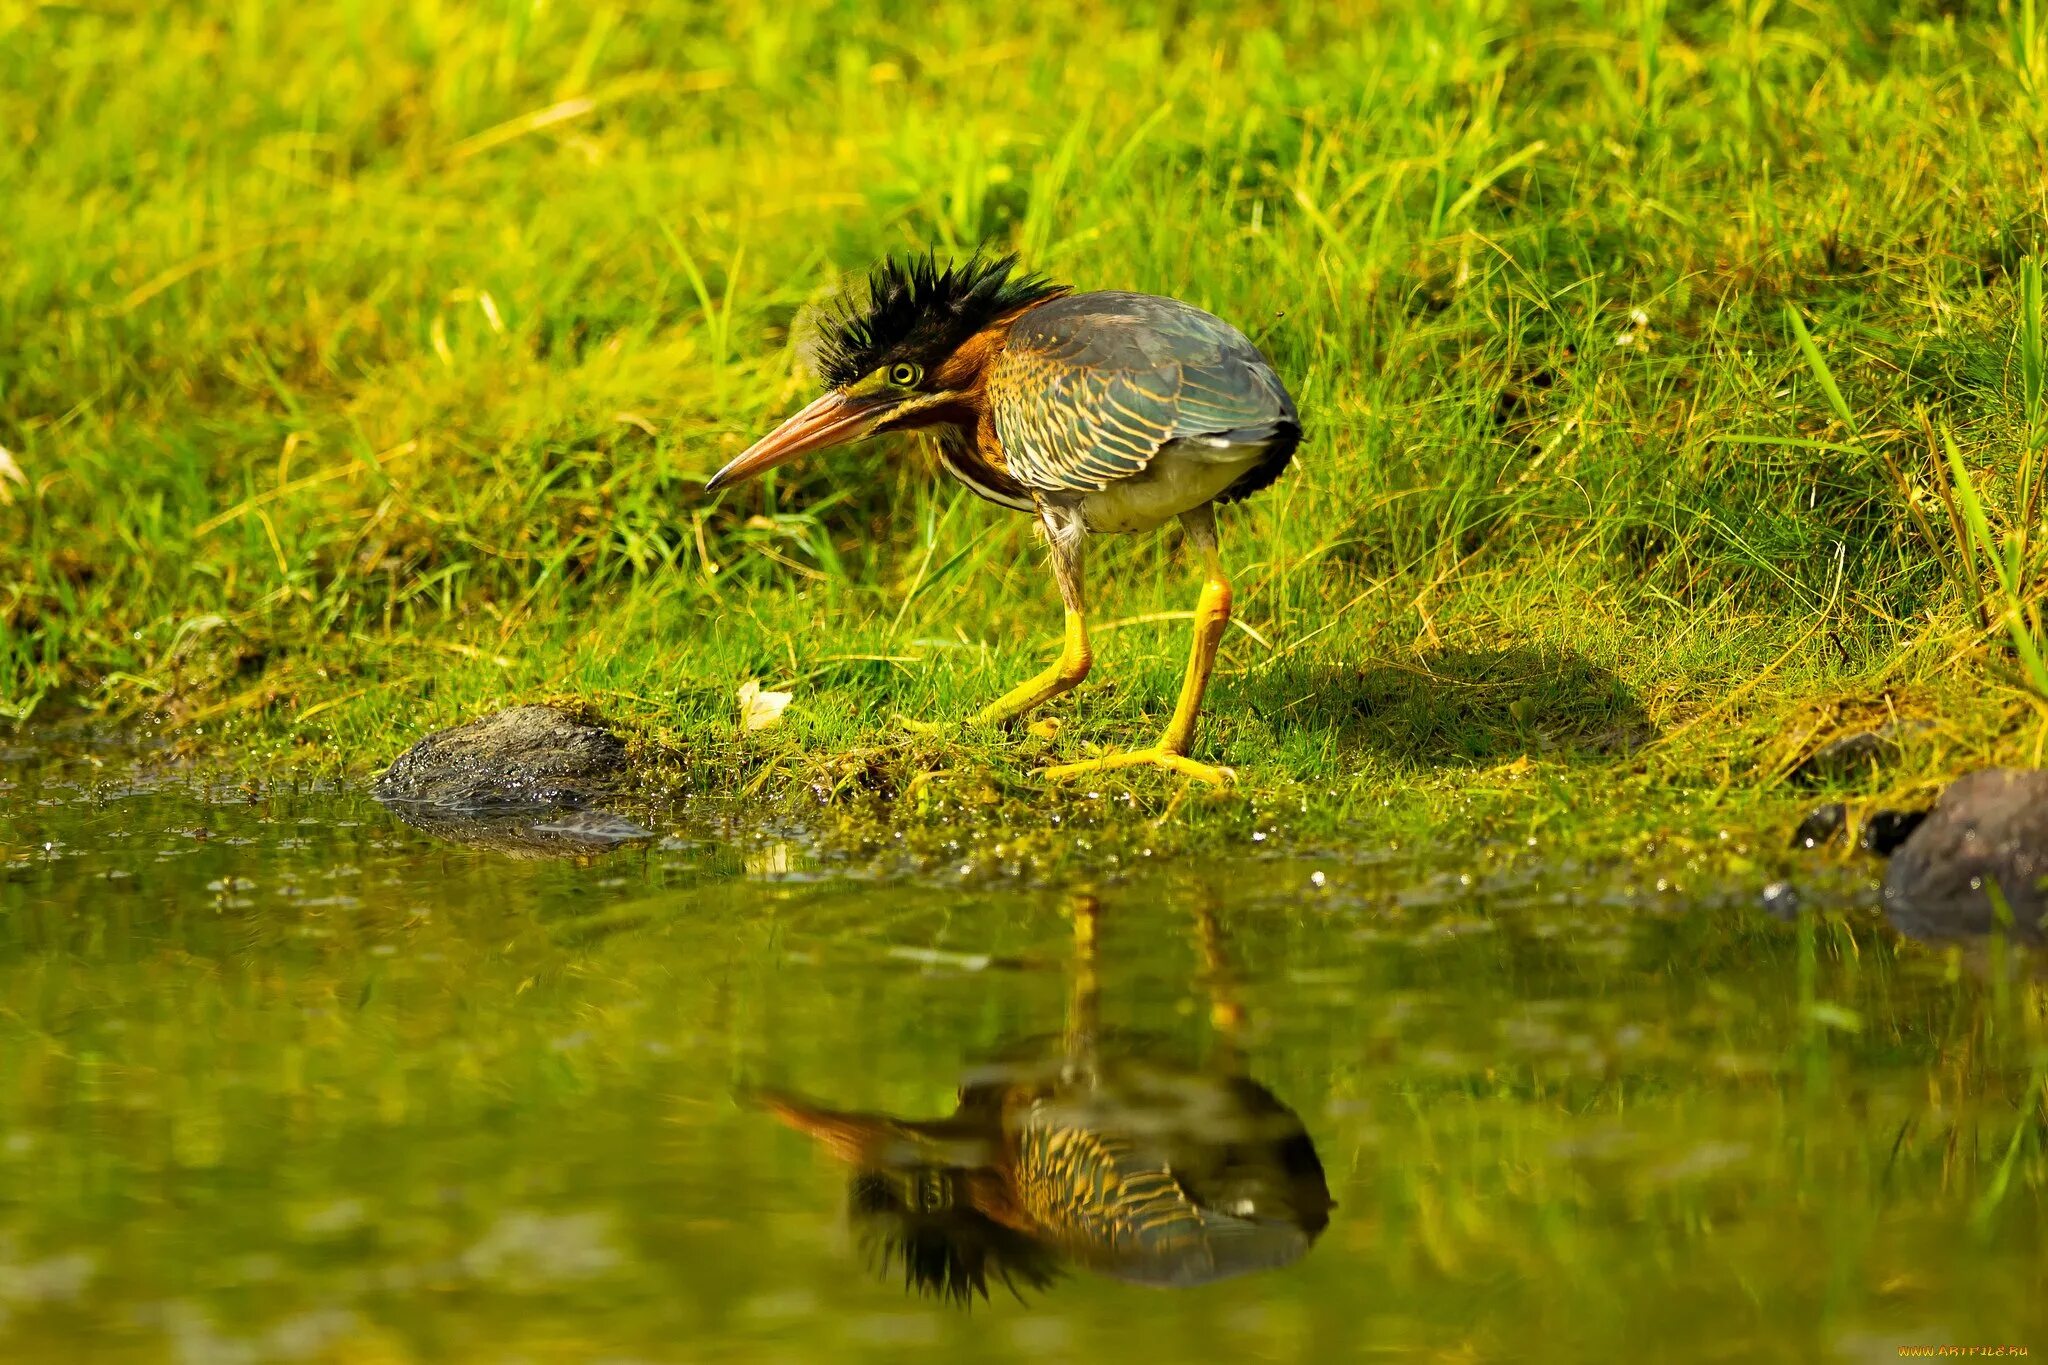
[(1177, 481)]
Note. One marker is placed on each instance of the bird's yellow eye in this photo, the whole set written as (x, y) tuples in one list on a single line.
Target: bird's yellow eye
[(903, 376)]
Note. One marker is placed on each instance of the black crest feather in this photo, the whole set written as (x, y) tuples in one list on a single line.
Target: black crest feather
[(944, 1249), (915, 309)]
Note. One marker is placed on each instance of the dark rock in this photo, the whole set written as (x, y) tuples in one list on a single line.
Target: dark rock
[(1855, 756), (1822, 825), (1886, 830), (1780, 900), (1989, 827), (527, 781), (1881, 833), (525, 756)]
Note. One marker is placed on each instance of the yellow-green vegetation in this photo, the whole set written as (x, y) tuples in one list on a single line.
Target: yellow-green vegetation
[(361, 364)]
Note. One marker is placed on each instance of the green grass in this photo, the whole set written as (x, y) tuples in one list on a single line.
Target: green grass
[(362, 364)]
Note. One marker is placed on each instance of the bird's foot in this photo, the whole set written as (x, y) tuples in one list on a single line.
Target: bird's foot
[(931, 729), (1157, 756)]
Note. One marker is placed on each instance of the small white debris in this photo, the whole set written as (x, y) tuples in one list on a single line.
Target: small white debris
[(760, 710)]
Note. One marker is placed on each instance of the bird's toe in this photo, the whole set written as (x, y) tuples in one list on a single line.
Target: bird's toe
[(1213, 774)]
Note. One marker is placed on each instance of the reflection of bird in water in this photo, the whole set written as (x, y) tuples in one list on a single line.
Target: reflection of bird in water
[(1088, 1152)]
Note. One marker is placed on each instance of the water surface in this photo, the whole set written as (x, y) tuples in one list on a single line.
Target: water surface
[(282, 1079)]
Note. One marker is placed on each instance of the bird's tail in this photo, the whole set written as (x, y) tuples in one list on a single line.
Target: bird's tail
[(869, 1140)]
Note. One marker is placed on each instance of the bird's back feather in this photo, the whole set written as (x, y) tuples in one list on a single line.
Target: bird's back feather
[(1091, 387)]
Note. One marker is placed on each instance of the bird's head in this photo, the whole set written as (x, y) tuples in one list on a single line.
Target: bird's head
[(907, 350)]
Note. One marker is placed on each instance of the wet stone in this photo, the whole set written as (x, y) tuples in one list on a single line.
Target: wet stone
[(1849, 756), (1855, 756), (525, 755), (1989, 827), (1822, 825), (1780, 900), (537, 831), (527, 781), (1881, 832), (1886, 830)]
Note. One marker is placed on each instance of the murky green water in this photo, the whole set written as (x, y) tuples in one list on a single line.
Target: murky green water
[(283, 1080)]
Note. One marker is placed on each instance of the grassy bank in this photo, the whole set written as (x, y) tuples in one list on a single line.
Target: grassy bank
[(360, 367)]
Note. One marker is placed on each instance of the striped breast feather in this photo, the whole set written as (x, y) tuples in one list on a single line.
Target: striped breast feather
[(1090, 387), (1095, 1196)]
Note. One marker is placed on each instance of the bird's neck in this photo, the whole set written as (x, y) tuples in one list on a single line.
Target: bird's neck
[(964, 374)]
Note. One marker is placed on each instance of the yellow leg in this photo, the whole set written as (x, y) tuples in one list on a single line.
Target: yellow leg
[(1084, 1008), (1226, 1011), (1212, 615), (1064, 675)]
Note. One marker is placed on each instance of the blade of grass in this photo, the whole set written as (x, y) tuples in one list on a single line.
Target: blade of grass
[(2023, 642)]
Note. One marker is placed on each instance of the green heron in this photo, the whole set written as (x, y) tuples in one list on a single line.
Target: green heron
[(1090, 1151), (1097, 413)]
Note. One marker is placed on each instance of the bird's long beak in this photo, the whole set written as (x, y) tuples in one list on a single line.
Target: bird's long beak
[(831, 420)]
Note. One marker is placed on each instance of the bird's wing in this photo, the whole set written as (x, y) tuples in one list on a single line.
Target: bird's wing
[(1094, 1193), (1091, 386)]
